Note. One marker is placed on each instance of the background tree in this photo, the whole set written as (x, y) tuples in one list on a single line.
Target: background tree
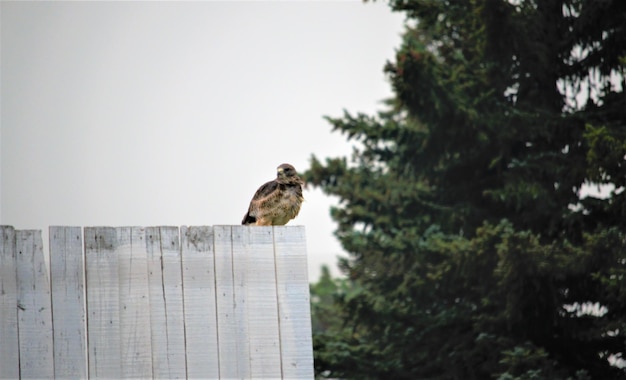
[(473, 251)]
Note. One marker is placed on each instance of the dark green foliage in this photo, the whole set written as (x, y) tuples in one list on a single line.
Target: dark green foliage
[(472, 254)]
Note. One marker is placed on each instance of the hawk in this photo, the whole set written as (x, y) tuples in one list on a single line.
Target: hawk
[(278, 201)]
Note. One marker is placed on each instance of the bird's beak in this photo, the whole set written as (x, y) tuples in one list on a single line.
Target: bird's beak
[(280, 170)]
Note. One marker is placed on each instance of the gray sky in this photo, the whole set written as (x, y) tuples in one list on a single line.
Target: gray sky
[(170, 113)]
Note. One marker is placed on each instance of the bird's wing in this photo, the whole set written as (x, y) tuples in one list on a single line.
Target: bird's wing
[(265, 192)]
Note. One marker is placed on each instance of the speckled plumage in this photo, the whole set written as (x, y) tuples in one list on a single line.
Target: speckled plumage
[(276, 202)]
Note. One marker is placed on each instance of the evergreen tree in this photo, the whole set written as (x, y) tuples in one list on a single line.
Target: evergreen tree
[(474, 252)]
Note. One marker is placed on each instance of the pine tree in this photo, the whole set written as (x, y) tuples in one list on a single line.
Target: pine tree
[(474, 251)]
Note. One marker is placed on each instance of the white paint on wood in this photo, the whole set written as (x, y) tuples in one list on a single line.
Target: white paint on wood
[(34, 307), (293, 302), (199, 300), (255, 290), (231, 345), (134, 303), (103, 297), (68, 302), (227, 302), (9, 352), (166, 303)]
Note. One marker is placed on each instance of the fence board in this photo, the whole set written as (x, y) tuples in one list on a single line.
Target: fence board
[(103, 296), (134, 303), (255, 289), (231, 344), (293, 302), (68, 308), (9, 354), (199, 300), (34, 307), (166, 303)]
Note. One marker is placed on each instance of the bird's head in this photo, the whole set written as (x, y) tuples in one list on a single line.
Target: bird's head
[(285, 171)]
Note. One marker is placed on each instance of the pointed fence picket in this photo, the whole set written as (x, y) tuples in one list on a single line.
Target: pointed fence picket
[(156, 302)]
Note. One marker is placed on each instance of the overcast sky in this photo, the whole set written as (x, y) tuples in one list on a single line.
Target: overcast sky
[(170, 113)]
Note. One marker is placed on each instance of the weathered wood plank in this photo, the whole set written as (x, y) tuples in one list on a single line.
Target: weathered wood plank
[(199, 296), (135, 335), (9, 352), (103, 297), (233, 346), (166, 303), (255, 297), (293, 302), (34, 307), (68, 297)]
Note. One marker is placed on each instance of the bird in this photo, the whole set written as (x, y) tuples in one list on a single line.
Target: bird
[(278, 201)]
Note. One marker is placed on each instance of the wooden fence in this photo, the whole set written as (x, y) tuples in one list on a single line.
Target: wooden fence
[(157, 302)]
